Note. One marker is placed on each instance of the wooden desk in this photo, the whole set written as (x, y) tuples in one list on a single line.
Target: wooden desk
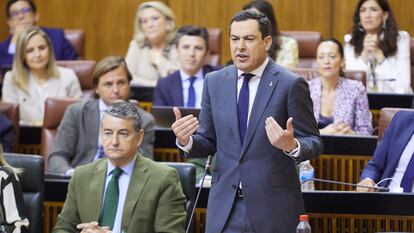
[(330, 211), (29, 141), (378, 101)]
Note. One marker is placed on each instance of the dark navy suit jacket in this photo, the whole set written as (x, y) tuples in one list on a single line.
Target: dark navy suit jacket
[(388, 152), (6, 133), (61, 46), (169, 90)]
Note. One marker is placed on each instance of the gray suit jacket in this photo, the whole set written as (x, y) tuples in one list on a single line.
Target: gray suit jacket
[(77, 136), (269, 178)]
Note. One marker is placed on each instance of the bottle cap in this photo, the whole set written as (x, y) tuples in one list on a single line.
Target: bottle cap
[(304, 217)]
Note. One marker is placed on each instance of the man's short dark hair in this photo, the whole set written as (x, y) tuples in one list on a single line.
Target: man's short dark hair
[(262, 20), (192, 31), (106, 65), (11, 2), (126, 111)]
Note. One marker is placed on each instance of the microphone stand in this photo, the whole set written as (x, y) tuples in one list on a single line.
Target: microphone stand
[(206, 169), (377, 188)]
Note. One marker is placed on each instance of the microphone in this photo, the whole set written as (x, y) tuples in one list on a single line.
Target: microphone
[(377, 188), (206, 169), (372, 65)]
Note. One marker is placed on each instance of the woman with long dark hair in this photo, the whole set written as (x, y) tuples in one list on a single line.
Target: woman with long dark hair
[(284, 50), (378, 47)]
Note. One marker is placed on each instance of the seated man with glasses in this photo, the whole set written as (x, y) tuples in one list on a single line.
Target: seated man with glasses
[(21, 14)]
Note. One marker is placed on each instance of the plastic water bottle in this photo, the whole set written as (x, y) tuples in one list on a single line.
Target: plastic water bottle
[(303, 226), (306, 172)]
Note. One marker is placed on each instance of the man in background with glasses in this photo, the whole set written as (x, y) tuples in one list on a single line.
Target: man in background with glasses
[(21, 14)]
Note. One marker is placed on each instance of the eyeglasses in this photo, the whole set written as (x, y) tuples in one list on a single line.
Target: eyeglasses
[(24, 11)]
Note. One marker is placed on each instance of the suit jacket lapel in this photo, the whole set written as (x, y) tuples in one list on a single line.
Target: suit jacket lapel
[(92, 123), (135, 188), (230, 83), (177, 87), (265, 90), (97, 185), (400, 144)]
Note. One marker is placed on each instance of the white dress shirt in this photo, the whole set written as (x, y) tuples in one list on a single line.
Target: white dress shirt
[(198, 87), (393, 75), (253, 86), (102, 109), (402, 166)]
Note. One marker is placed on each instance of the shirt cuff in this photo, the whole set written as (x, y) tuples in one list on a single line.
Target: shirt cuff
[(70, 172), (186, 148), (295, 152)]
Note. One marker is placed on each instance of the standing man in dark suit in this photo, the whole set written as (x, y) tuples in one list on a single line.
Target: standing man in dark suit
[(394, 157), (184, 87), (244, 111), (125, 192), (21, 14), (77, 139)]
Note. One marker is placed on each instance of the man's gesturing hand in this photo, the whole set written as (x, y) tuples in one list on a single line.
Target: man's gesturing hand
[(278, 137), (184, 127)]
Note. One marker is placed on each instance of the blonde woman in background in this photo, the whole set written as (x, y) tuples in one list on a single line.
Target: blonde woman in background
[(35, 76), (151, 54), (11, 199)]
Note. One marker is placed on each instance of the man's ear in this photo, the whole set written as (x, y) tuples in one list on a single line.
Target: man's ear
[(36, 18), (268, 40), (140, 137), (10, 24)]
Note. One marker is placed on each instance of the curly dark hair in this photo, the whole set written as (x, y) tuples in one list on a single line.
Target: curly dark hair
[(389, 44), (267, 9)]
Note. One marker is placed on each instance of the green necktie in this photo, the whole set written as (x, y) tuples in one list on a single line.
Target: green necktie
[(111, 200)]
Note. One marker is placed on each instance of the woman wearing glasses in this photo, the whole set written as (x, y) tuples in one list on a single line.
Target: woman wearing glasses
[(21, 15)]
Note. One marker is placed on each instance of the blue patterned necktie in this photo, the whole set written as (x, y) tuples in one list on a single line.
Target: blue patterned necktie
[(191, 93), (408, 178), (243, 105), (111, 200)]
